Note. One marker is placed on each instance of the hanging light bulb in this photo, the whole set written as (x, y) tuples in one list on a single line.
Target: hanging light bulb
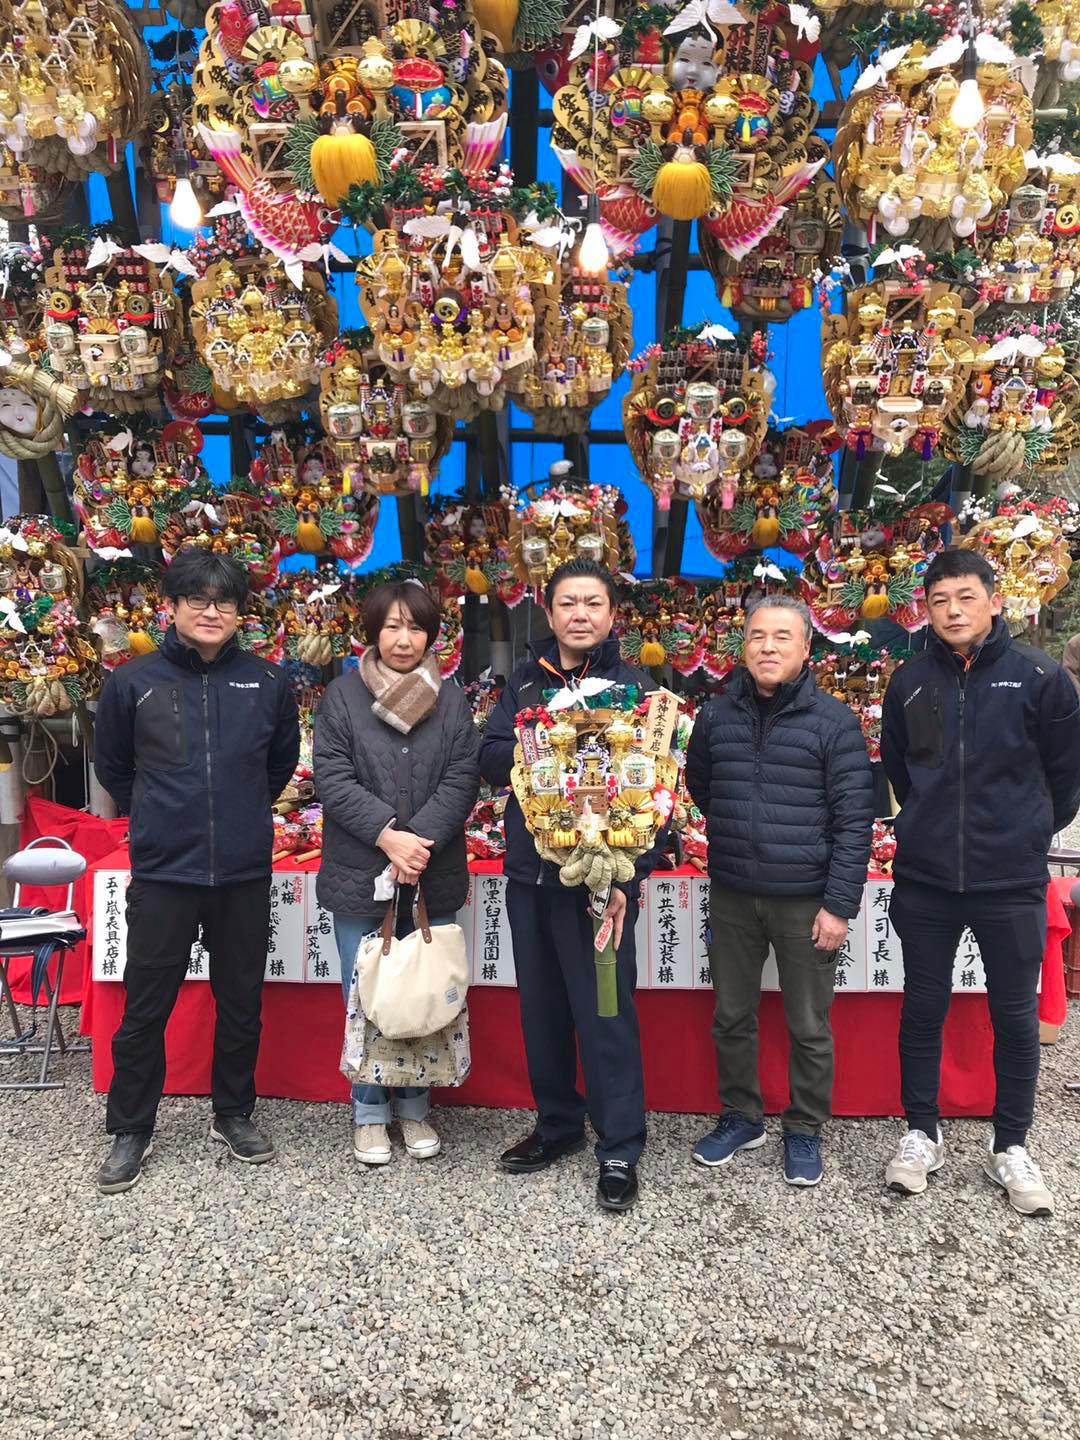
[(185, 211), (968, 108), (593, 256)]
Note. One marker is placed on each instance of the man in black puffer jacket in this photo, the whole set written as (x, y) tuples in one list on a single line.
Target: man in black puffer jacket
[(981, 743), (551, 927), (780, 771), (195, 742)]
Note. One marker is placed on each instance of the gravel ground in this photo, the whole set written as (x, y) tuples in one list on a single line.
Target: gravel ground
[(310, 1298)]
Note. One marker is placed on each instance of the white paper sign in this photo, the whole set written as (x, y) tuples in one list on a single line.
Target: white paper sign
[(322, 963), (672, 937), (288, 914), (492, 952)]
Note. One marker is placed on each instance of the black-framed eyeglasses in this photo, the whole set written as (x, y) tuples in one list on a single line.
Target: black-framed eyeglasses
[(203, 602)]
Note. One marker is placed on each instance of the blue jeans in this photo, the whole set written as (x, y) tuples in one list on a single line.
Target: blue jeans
[(376, 1104)]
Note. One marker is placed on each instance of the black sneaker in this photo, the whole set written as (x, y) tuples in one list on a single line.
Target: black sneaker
[(245, 1140), (124, 1163)]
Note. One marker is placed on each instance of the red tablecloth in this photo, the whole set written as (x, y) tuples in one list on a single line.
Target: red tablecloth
[(91, 837), (302, 1040)]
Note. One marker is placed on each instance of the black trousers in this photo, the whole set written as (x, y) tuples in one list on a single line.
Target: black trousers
[(163, 923), (1010, 929), (556, 975)]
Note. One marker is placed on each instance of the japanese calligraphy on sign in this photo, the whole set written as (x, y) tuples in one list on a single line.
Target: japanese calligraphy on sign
[(672, 937)]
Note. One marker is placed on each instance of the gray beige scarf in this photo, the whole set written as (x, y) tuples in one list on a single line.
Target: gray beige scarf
[(401, 700)]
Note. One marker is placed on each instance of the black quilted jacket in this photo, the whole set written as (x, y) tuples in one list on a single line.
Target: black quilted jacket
[(789, 805), (367, 774)]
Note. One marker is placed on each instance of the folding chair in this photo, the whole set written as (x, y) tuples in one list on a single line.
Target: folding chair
[(41, 934)]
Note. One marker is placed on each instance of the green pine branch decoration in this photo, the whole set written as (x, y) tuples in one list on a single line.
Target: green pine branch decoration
[(284, 519), (852, 594), (723, 170), (118, 516), (1035, 442), (538, 21), (386, 138), (790, 515), (1025, 29), (968, 443), (74, 689), (161, 516), (901, 589), (645, 167), (298, 142), (330, 523), (743, 516)]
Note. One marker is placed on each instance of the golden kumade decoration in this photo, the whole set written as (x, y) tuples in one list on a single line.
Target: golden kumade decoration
[(1032, 254), (385, 437), (260, 336), (895, 366), (569, 521), (110, 319), (902, 164), (698, 411), (1030, 557), (459, 332), (128, 489), (74, 85), (720, 133), (1023, 404)]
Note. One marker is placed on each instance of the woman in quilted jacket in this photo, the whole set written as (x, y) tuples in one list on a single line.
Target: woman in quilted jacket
[(396, 771)]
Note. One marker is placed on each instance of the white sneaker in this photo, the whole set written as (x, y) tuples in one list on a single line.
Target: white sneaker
[(371, 1145), (917, 1156), (1016, 1172), (421, 1142)]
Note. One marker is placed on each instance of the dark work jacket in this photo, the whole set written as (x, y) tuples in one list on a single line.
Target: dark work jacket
[(523, 690), (367, 774), (985, 763), (788, 798), (197, 753)]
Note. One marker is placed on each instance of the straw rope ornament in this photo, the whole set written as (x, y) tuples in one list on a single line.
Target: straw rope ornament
[(33, 409)]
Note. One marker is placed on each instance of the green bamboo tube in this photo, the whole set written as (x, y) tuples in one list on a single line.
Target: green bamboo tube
[(607, 986)]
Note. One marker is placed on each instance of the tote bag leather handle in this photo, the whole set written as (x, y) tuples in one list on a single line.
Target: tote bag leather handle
[(389, 922)]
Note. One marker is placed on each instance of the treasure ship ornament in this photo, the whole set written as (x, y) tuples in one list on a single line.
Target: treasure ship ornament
[(109, 320), (697, 412), (260, 335), (386, 438), (903, 163), (467, 545), (896, 365)]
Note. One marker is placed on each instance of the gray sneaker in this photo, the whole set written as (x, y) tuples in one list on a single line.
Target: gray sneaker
[(917, 1156), (1018, 1175)]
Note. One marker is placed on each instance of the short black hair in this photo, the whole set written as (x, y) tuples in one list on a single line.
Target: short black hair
[(952, 563), (195, 571), (412, 597), (582, 569)]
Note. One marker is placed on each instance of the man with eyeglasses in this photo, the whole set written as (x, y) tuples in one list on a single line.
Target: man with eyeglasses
[(195, 742)]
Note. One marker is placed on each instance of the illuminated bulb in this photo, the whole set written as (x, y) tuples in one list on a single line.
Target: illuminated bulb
[(185, 210), (968, 107), (593, 255)]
